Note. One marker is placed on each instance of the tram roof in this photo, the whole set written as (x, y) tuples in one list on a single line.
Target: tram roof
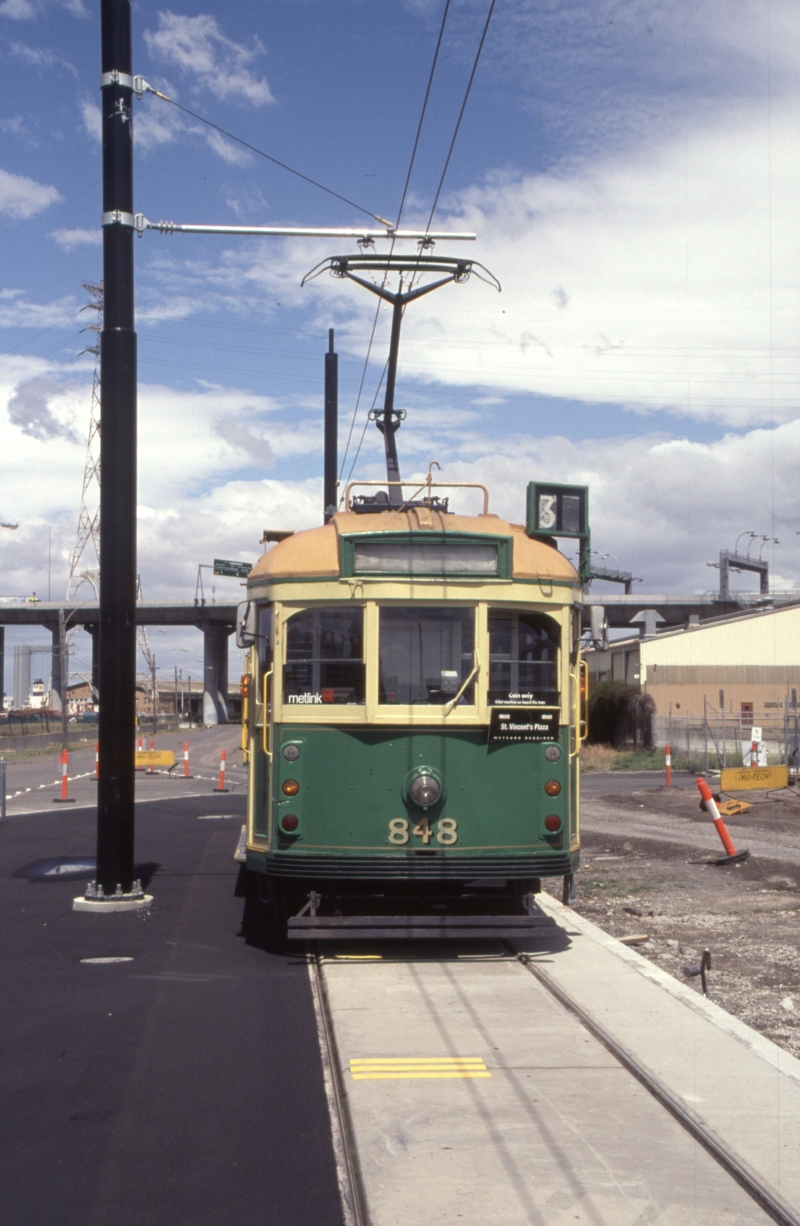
[(315, 552)]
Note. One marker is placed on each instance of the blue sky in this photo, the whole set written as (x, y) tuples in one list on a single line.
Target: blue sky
[(631, 171)]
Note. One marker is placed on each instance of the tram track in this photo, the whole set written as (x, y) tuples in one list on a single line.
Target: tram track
[(348, 1168), (347, 1128), (738, 1170)]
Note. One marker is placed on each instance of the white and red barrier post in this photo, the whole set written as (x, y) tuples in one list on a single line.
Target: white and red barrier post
[(754, 752), (186, 774), (668, 763), (222, 788), (151, 770), (732, 856), (64, 799), (139, 748), (97, 761)]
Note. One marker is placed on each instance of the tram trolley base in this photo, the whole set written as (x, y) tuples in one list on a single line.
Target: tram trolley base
[(308, 925)]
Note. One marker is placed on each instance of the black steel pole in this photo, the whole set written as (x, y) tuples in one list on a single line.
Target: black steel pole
[(330, 499), (390, 423), (117, 629)]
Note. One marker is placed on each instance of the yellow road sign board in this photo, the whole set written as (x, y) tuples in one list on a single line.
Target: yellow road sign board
[(739, 778), (155, 757)]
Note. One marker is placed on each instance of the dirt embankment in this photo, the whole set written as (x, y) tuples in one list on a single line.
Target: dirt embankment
[(747, 915)]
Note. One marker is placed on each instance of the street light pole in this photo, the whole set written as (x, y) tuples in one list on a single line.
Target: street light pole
[(117, 630)]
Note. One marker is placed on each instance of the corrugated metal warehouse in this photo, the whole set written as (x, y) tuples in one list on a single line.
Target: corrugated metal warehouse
[(743, 665)]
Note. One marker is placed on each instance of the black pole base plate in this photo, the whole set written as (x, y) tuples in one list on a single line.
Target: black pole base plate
[(63, 800), (220, 789), (739, 858)]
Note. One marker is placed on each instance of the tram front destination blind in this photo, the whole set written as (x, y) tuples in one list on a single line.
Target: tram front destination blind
[(425, 558)]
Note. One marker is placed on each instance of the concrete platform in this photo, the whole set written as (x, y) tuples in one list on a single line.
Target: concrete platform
[(559, 1131)]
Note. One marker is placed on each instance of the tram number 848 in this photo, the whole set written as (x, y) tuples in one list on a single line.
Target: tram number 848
[(445, 831)]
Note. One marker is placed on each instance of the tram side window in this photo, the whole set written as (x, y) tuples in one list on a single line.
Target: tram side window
[(523, 659), (426, 655), (264, 640), (324, 657)]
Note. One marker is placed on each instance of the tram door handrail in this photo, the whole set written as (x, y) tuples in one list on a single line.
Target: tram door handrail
[(265, 726), (583, 701), (476, 669)]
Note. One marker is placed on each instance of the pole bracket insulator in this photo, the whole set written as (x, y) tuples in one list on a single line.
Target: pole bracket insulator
[(114, 77), (117, 218)]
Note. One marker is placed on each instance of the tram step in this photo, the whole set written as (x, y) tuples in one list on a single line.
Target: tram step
[(406, 927)]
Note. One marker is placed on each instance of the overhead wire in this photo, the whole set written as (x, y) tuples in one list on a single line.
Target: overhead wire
[(268, 156), (391, 250), (461, 112)]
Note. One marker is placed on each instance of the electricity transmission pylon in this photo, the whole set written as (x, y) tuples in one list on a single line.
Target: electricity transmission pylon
[(89, 515)]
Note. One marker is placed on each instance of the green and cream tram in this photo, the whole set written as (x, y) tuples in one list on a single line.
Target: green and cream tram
[(413, 709)]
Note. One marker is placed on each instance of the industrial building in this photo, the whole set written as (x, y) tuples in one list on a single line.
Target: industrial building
[(743, 668)]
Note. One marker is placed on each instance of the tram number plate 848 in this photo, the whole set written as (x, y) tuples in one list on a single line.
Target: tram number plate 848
[(445, 831)]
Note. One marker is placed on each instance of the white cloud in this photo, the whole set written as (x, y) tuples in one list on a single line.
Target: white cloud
[(18, 10), (17, 312), (27, 10), (92, 119), (21, 197), (233, 154), (662, 278), (69, 239), (197, 46)]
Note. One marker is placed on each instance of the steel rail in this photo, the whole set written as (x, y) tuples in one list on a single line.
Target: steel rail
[(769, 1201), (351, 1183)]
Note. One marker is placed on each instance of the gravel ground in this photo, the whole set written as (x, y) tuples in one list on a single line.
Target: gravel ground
[(747, 915)]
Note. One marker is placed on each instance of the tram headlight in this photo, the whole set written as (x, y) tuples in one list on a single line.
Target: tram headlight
[(291, 787), (289, 823), (552, 823), (552, 753), (425, 790), (552, 787), (291, 752)]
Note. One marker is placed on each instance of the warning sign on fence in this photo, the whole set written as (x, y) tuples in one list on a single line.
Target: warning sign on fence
[(738, 778), (155, 757)]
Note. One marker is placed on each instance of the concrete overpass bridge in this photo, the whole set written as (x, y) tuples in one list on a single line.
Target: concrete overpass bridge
[(640, 612), (216, 621)]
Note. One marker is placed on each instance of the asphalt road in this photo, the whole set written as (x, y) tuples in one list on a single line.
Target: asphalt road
[(33, 783), (182, 1085), (616, 783)]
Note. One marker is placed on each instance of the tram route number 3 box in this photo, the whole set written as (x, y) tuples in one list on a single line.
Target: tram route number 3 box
[(524, 724)]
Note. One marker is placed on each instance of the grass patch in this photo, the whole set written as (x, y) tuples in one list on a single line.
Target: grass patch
[(606, 758), (17, 755)]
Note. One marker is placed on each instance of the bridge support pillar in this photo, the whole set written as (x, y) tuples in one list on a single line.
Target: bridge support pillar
[(215, 672), (59, 671)]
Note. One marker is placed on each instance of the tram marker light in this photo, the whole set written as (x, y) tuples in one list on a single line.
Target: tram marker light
[(291, 787), (552, 823), (291, 752), (552, 753), (552, 787), (289, 823)]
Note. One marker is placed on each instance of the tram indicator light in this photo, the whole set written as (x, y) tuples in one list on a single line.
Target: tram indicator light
[(552, 787), (291, 787), (552, 823), (289, 823)]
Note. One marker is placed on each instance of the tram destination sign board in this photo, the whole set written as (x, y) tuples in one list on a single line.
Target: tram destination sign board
[(523, 724), (234, 570)]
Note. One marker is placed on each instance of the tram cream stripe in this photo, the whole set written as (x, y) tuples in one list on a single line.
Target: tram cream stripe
[(395, 1068)]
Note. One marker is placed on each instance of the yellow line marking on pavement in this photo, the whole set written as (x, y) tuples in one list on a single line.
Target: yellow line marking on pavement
[(417, 1067)]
